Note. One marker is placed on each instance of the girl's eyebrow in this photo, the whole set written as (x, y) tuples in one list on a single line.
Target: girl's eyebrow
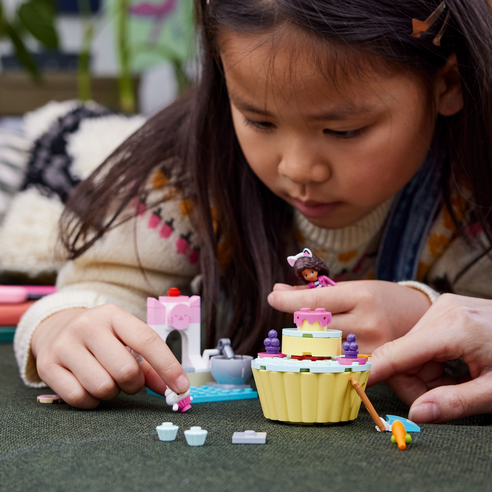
[(338, 113)]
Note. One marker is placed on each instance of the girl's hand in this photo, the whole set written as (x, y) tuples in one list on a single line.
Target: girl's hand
[(377, 312), (454, 327), (81, 354)]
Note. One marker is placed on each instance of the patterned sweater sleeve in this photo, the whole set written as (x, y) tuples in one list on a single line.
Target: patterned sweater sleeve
[(453, 263), (141, 257)]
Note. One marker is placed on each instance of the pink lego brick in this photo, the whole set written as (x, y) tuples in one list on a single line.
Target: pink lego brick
[(179, 315), (193, 301), (319, 314), (173, 300), (156, 312), (261, 355), (347, 361)]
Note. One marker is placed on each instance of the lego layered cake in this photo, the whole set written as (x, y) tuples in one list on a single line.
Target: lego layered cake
[(307, 379)]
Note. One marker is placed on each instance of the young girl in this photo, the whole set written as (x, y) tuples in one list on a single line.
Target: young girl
[(351, 127)]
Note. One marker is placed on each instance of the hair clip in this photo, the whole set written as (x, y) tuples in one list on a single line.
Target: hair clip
[(437, 40), (422, 26)]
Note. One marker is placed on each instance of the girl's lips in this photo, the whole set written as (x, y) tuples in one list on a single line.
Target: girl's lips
[(316, 210)]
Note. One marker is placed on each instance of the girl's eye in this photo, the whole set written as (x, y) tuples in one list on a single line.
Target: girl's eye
[(259, 125), (344, 135)]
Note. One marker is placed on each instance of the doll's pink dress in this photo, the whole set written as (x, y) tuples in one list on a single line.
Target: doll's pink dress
[(323, 281)]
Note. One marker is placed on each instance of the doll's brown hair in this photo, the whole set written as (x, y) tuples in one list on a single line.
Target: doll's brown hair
[(311, 263)]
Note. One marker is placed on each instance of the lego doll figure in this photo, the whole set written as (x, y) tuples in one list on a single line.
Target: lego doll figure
[(311, 269)]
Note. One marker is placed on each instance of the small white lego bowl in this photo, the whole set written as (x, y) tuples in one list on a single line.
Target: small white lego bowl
[(231, 371), (195, 436), (167, 431)]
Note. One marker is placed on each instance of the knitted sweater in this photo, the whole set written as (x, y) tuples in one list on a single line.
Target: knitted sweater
[(164, 241)]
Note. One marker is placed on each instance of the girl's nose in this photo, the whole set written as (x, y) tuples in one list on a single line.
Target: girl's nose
[(304, 168)]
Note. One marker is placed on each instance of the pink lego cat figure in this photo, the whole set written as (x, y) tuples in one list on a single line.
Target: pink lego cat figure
[(178, 401)]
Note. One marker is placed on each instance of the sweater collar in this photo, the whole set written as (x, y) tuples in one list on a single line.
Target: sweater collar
[(353, 237)]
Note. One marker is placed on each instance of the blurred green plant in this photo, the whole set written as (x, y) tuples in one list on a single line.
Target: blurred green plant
[(127, 91), (84, 69), (148, 32), (34, 17)]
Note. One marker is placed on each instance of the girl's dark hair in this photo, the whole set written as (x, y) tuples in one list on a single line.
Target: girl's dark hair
[(313, 263), (196, 135)]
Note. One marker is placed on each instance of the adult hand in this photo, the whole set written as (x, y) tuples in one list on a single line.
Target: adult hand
[(413, 366), (375, 311), (81, 354)]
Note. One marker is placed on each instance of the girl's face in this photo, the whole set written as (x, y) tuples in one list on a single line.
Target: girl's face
[(333, 148)]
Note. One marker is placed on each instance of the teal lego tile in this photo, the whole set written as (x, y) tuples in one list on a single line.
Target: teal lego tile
[(206, 394), (7, 334)]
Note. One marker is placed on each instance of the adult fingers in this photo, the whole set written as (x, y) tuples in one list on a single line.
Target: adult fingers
[(447, 403), (117, 361), (144, 340), (411, 351), (409, 387), (336, 300), (65, 384)]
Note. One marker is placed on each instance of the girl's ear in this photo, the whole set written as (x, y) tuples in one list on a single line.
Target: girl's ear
[(447, 88)]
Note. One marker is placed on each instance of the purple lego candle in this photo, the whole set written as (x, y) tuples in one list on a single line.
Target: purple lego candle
[(272, 343), (351, 347)]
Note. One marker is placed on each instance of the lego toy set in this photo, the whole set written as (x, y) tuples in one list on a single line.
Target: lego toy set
[(304, 380)]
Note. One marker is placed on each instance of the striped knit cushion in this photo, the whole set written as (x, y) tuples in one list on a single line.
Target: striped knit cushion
[(13, 163)]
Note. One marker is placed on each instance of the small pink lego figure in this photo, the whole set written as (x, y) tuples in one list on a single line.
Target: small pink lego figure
[(181, 402), (308, 267)]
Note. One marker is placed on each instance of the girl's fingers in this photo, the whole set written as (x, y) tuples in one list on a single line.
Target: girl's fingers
[(90, 374), (144, 340), (65, 384), (447, 403), (333, 299), (278, 287), (117, 361), (152, 380)]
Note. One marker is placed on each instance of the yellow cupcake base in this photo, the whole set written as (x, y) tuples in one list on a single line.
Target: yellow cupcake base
[(309, 397)]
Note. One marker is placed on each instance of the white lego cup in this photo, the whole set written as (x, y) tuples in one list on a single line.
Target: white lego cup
[(231, 371)]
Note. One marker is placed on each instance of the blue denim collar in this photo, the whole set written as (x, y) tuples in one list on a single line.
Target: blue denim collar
[(409, 222)]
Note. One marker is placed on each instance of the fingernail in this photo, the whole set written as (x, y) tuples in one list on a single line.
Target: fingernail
[(271, 299), (425, 413), (182, 384)]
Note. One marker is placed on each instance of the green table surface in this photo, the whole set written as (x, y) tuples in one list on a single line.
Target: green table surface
[(116, 448)]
